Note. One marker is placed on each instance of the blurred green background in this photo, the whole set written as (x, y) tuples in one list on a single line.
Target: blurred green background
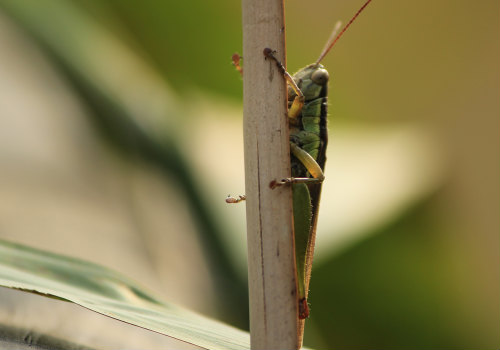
[(121, 136)]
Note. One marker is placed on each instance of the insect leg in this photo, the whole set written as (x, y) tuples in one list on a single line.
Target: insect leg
[(309, 163), (298, 102)]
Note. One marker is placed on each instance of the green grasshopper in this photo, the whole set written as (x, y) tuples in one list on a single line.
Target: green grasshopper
[(307, 115)]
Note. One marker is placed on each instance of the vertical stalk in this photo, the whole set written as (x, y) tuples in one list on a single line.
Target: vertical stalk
[(271, 260)]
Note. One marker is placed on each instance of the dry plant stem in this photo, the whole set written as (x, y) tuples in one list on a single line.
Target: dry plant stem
[(271, 262)]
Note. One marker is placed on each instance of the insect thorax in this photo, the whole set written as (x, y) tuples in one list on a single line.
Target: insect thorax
[(308, 130)]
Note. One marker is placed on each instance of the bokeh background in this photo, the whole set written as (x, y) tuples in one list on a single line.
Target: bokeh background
[(121, 136)]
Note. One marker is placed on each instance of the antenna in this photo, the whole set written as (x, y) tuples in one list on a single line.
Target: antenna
[(331, 41), (333, 35)]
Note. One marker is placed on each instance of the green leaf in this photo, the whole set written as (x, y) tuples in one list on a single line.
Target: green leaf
[(111, 294)]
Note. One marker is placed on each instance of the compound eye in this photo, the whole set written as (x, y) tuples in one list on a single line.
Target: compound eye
[(320, 76)]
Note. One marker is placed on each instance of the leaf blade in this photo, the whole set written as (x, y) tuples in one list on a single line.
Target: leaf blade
[(107, 292)]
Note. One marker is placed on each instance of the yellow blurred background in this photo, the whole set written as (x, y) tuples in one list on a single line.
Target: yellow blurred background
[(120, 137)]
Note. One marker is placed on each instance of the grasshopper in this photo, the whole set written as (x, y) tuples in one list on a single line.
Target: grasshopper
[(307, 116)]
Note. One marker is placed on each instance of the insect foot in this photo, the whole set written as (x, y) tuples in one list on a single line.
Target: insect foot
[(233, 200), (269, 53), (282, 182), (236, 58), (303, 309)]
